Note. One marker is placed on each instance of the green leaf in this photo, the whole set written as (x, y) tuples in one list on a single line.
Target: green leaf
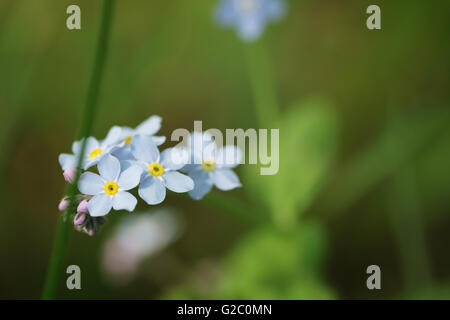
[(308, 140), (277, 265)]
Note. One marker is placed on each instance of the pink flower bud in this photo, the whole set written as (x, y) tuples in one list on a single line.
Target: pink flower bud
[(69, 174), (79, 219), (91, 232), (83, 207), (63, 204)]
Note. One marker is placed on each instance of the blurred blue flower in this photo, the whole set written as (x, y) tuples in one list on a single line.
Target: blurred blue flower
[(249, 17), (109, 189), (211, 165), (159, 170)]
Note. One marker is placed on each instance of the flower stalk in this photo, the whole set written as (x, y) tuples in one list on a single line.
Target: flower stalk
[(55, 266)]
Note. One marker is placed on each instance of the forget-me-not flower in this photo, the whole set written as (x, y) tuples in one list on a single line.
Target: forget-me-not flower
[(94, 151), (159, 170), (249, 17), (147, 128), (211, 166), (109, 189)]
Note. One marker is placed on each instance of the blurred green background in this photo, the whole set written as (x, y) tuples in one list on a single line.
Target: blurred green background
[(364, 147)]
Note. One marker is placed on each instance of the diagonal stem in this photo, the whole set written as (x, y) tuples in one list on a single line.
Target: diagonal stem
[(262, 83), (55, 267)]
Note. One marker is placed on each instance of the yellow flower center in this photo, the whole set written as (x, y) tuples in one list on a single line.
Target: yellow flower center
[(95, 153), (111, 188), (128, 140), (208, 165), (155, 169)]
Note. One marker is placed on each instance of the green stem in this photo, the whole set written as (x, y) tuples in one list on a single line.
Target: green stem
[(55, 267), (405, 218), (262, 83)]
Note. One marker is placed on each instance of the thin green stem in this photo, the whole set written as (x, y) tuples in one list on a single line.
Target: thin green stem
[(406, 222), (262, 83), (55, 267)]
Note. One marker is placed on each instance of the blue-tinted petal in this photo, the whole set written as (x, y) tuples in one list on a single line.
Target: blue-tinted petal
[(275, 9), (123, 200), (149, 126), (144, 149), (113, 137), (225, 13), (251, 27), (67, 161), (178, 182), (130, 178), (90, 183), (202, 184), (152, 190), (225, 179), (100, 205), (174, 158), (109, 168), (76, 146), (159, 140), (123, 153), (91, 145), (229, 156)]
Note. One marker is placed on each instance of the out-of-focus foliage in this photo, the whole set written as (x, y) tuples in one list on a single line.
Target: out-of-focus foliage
[(268, 264), (360, 166), (308, 141)]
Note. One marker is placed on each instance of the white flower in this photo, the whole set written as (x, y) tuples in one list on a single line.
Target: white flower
[(147, 128), (159, 171), (211, 166), (136, 238), (109, 188), (94, 151)]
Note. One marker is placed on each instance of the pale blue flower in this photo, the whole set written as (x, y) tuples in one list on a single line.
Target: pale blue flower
[(159, 170), (147, 128), (211, 166), (95, 150), (249, 17), (109, 189)]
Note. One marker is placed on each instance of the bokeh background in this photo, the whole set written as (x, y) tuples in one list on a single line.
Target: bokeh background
[(364, 140)]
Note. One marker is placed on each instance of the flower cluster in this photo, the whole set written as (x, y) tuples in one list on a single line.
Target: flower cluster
[(249, 17), (128, 158)]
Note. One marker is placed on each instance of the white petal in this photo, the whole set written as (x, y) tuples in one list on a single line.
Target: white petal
[(91, 145), (159, 140), (202, 184), (178, 182), (87, 163), (130, 178), (225, 179), (149, 126), (67, 161), (124, 201), (100, 205), (76, 146), (174, 158), (126, 132), (123, 153), (144, 149), (113, 137), (109, 168), (229, 156), (90, 183), (152, 190), (251, 27)]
